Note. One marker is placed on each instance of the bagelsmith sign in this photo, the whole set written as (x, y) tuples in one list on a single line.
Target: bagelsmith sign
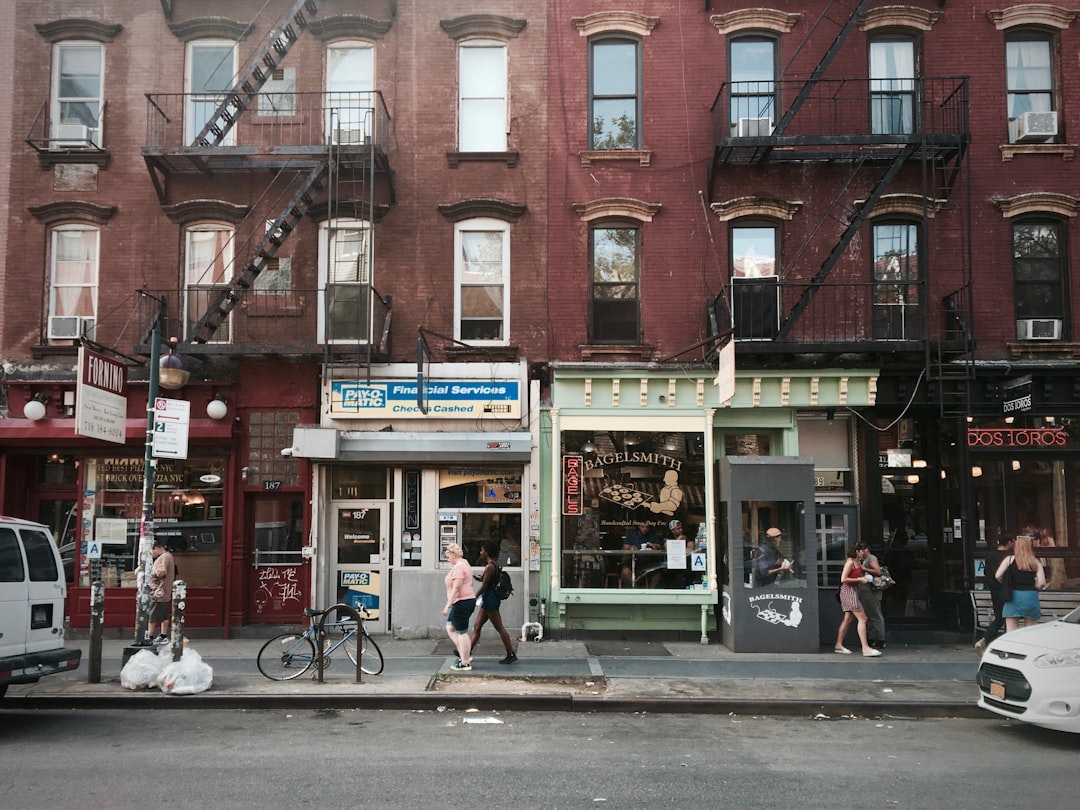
[(1011, 438)]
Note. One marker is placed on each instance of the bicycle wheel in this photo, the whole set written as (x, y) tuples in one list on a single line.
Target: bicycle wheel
[(371, 660), (287, 656)]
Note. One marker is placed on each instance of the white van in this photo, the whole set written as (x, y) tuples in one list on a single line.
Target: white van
[(32, 592)]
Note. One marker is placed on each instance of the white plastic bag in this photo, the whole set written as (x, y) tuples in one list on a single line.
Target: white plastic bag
[(142, 669), (187, 676)]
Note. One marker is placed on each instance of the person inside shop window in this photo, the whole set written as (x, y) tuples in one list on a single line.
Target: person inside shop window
[(641, 537), (769, 561)]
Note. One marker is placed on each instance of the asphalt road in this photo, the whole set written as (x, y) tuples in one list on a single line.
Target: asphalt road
[(454, 759)]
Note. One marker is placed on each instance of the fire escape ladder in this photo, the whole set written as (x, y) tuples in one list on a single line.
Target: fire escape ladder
[(230, 295), (256, 73), (826, 60), (852, 228)]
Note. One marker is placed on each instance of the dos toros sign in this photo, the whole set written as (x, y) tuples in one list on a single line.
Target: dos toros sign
[(1011, 438)]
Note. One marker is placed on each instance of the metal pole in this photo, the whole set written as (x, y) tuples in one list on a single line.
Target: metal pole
[(97, 619), (176, 630), (146, 526)]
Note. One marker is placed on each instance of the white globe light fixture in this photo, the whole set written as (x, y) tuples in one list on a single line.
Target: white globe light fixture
[(34, 409), (217, 408)]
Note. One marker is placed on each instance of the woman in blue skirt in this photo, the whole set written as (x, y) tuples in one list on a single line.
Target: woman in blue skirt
[(1026, 575)]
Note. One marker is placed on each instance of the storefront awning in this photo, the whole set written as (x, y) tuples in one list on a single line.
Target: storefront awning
[(411, 447)]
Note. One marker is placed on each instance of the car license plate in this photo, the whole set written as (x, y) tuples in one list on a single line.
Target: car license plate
[(997, 689)]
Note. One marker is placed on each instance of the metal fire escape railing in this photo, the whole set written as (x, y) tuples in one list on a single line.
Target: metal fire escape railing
[(230, 295), (256, 72), (853, 226)]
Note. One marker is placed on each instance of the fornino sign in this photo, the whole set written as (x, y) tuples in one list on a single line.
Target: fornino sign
[(991, 438)]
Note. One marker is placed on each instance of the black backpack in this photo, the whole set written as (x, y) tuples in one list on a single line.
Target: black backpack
[(503, 586)]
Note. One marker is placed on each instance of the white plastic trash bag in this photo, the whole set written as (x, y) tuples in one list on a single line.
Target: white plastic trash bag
[(142, 669), (187, 676)]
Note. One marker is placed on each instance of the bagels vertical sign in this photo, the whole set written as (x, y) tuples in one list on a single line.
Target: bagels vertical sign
[(101, 397)]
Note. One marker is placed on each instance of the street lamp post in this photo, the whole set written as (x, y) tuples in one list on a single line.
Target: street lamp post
[(146, 525)]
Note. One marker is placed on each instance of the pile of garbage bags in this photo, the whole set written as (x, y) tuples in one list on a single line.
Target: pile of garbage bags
[(150, 669)]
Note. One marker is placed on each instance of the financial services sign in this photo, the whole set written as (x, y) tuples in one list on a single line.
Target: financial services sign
[(446, 399), (100, 397)]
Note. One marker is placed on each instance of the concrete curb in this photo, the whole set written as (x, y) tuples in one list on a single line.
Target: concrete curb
[(497, 702)]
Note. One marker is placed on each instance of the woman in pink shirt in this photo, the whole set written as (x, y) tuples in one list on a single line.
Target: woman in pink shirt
[(460, 602)]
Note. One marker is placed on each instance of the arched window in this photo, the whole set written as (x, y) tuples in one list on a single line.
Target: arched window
[(211, 68), (614, 93), (614, 261), (1040, 291), (896, 278), (73, 262), (755, 271), (752, 73), (208, 267), (1029, 87), (350, 82), (77, 94), (345, 254), (482, 281), (482, 113), (893, 72)]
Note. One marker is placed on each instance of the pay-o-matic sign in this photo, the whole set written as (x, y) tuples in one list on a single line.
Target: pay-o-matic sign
[(447, 399)]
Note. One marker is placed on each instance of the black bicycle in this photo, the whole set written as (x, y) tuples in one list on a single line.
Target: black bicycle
[(290, 655)]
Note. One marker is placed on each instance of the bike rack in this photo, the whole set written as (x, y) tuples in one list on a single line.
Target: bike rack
[(348, 610)]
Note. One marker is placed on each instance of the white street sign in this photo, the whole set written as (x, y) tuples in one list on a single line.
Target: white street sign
[(171, 420)]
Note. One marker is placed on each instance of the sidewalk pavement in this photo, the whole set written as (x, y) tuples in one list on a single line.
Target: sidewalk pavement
[(557, 675)]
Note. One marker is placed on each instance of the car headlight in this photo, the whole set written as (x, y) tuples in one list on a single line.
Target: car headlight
[(1060, 658)]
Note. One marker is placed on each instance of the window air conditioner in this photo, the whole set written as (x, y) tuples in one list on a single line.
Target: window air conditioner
[(1038, 329), (1035, 127), (346, 135), (70, 327), (72, 135), (753, 127)]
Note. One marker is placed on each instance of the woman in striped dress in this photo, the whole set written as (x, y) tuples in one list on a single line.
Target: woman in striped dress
[(850, 580)]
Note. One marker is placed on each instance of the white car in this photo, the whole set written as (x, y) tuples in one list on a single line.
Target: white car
[(1033, 674)]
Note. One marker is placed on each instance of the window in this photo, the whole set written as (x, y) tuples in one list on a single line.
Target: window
[(896, 311), (482, 268), (614, 105), (74, 288), (892, 87), (350, 81), (1039, 279), (211, 70), (345, 281), (208, 266), (755, 288), (752, 72), (482, 106), (76, 100), (615, 272), (1029, 82)]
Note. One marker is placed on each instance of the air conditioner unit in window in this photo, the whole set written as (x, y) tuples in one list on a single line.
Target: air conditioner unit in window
[(1035, 127), (72, 135), (753, 127), (1038, 329), (70, 327), (344, 135)]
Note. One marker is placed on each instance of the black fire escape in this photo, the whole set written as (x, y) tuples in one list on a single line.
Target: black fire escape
[(824, 308), (326, 154)]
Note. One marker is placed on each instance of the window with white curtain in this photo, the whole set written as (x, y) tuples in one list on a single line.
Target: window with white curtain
[(73, 289), (77, 92), (892, 86), (482, 270), (1029, 75), (345, 281), (482, 83), (350, 84), (208, 267)]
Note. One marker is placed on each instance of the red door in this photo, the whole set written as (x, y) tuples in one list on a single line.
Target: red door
[(280, 576)]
